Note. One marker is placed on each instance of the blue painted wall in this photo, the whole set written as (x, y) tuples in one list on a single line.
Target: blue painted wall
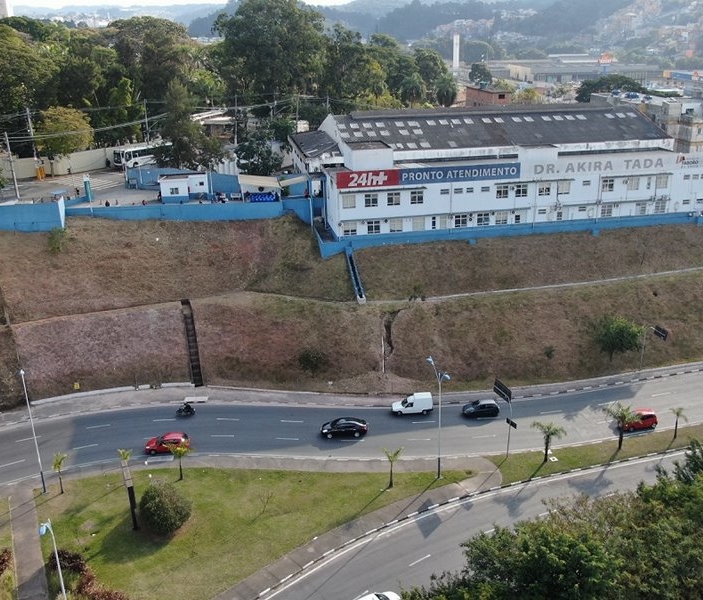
[(42, 216), (231, 211)]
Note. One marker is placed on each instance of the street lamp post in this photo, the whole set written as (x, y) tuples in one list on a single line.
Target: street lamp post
[(440, 376), (34, 433), (43, 528)]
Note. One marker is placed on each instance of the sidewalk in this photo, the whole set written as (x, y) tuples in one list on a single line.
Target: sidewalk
[(29, 562)]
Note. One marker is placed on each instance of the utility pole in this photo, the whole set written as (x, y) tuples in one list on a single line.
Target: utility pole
[(30, 128), (12, 167), (146, 121)]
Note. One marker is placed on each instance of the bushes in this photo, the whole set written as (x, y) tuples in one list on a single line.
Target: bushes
[(163, 509), (74, 568)]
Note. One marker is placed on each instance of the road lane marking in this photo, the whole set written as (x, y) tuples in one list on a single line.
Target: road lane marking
[(159, 420), (419, 439), (661, 394), (225, 419), (82, 447), (12, 463), (419, 560), (550, 412), (97, 426), (222, 435), (27, 439), (289, 439), (479, 437), (291, 421)]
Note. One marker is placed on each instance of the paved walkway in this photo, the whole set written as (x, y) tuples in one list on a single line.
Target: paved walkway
[(29, 563)]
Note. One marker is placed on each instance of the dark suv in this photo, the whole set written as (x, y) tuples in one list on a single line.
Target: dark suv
[(481, 408)]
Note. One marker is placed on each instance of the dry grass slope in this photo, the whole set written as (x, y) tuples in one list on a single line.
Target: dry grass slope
[(106, 311)]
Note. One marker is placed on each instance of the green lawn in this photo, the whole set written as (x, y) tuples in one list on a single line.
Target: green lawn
[(244, 520), (241, 521)]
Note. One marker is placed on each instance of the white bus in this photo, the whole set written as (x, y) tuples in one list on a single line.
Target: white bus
[(136, 156)]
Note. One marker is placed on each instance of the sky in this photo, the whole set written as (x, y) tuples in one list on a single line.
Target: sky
[(62, 3)]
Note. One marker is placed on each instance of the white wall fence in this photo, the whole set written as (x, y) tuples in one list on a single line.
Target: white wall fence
[(78, 162)]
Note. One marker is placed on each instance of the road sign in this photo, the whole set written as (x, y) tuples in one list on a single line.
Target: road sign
[(661, 332), (502, 390), (512, 423)]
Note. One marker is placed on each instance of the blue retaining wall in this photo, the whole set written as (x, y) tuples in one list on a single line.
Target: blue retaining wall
[(230, 211), (25, 217), (329, 248)]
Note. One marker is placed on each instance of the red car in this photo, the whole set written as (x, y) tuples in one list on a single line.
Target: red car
[(160, 445), (647, 420)]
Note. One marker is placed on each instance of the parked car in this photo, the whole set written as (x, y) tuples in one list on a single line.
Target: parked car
[(345, 426), (160, 445), (481, 408), (647, 420), (380, 596)]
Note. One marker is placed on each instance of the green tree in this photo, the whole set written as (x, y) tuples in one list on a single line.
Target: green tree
[(678, 413), (622, 415), (430, 66), (59, 459), (446, 90), (255, 155), (190, 147), (179, 451), (549, 432), (527, 96), (479, 72), (272, 47), (164, 509), (63, 131), (392, 456), (608, 83), (413, 89), (689, 472), (616, 334)]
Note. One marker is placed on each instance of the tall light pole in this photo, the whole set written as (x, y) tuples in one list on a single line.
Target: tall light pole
[(43, 528), (441, 376), (34, 433)]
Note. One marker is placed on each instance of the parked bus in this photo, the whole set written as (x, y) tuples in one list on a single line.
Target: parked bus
[(136, 156)]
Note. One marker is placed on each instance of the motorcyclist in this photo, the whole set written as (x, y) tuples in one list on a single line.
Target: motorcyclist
[(187, 409)]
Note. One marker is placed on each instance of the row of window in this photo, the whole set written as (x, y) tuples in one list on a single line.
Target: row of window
[(520, 190), (501, 217)]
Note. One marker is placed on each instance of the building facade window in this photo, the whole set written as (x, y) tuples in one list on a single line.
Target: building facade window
[(544, 189), (517, 219), (348, 201), (461, 220), (606, 210), (640, 208), (349, 229), (370, 200), (417, 197), (439, 222), (502, 217), (502, 191), (173, 191), (418, 223), (633, 184), (662, 181), (521, 190), (393, 199), (483, 219), (563, 187), (395, 225), (444, 192), (484, 188), (373, 227), (607, 184), (458, 190), (659, 207)]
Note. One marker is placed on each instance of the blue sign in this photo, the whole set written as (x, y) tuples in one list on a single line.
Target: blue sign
[(462, 173)]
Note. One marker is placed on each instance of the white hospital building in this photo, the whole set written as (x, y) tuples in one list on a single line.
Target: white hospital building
[(438, 171)]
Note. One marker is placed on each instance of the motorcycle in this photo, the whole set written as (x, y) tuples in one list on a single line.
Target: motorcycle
[(185, 411)]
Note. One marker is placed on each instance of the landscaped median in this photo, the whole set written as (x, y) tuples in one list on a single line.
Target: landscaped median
[(243, 520)]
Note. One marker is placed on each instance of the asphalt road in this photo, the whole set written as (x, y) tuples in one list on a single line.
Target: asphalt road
[(223, 426), (408, 554)]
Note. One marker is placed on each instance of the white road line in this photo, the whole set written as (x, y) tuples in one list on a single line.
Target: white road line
[(225, 419), (227, 435), (82, 447), (289, 439), (479, 437), (549, 412), (97, 426), (418, 439), (661, 394), (291, 421), (160, 420), (12, 463), (27, 439), (419, 560)]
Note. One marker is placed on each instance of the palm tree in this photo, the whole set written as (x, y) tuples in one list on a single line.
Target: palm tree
[(549, 431), (392, 457), (622, 415), (678, 413), (446, 90), (179, 451), (59, 459), (125, 455), (412, 89)]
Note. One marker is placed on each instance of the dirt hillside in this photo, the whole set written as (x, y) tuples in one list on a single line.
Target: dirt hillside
[(105, 311)]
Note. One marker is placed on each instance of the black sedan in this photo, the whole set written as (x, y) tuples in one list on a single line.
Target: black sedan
[(345, 426), (481, 408)]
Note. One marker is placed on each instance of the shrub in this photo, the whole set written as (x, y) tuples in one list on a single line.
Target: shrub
[(58, 238), (313, 361), (163, 509)]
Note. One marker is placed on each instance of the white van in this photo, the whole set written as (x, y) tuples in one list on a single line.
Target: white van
[(419, 402)]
